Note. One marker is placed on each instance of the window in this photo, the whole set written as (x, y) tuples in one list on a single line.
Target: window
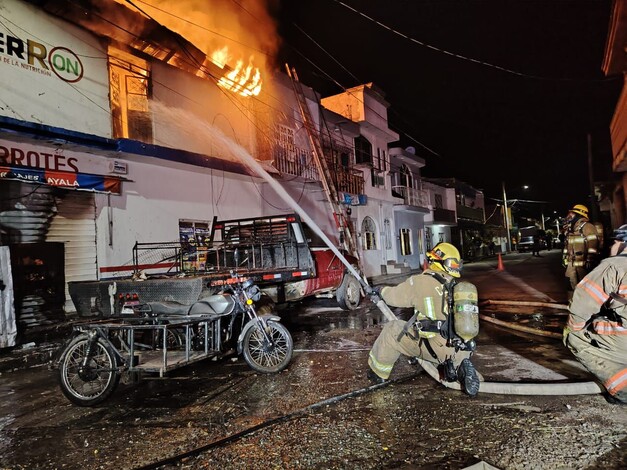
[(194, 236), (363, 150), (368, 234), (378, 178), (285, 139), (406, 177), (345, 159), (405, 238), (129, 90), (428, 237), (438, 201), (379, 161)]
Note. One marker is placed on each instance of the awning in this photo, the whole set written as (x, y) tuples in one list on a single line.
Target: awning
[(63, 179)]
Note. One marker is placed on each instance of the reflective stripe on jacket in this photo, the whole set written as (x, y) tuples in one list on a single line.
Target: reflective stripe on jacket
[(593, 291)]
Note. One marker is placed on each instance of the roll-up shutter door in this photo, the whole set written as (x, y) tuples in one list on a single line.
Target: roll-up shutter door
[(75, 226)]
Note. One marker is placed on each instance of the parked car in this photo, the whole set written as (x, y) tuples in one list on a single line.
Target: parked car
[(526, 239)]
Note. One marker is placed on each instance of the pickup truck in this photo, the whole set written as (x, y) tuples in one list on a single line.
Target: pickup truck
[(281, 254)]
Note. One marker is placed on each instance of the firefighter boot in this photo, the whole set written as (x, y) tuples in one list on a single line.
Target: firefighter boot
[(374, 378), (468, 378)]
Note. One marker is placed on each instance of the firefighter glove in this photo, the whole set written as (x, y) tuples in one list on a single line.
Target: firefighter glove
[(374, 293)]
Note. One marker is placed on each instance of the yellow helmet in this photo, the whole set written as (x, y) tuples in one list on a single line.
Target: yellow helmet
[(580, 209), (445, 257)]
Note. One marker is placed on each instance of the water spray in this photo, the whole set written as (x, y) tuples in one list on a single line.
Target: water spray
[(246, 157)]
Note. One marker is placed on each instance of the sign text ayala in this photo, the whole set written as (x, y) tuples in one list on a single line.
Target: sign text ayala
[(34, 56)]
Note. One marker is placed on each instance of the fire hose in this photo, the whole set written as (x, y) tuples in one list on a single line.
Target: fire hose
[(486, 387), (517, 388)]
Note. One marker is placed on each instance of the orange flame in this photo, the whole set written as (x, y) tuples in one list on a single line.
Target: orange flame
[(243, 80)]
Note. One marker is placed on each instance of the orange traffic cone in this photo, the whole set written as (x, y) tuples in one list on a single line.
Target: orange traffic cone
[(425, 265), (500, 266)]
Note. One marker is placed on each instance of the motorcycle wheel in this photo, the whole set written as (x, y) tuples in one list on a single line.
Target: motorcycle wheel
[(96, 382), (264, 357)]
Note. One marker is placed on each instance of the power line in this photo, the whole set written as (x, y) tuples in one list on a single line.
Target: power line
[(462, 57)]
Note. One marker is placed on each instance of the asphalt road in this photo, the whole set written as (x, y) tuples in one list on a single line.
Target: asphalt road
[(323, 413)]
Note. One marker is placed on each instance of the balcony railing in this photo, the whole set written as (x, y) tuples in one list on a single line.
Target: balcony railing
[(292, 160), (295, 161), (443, 216), (412, 196), (474, 214)]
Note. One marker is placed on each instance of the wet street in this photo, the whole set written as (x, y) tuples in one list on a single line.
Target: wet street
[(322, 412)]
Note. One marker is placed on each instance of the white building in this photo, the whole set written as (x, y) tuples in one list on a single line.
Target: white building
[(112, 136)]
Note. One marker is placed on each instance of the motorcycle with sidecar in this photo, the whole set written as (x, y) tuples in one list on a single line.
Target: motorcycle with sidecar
[(157, 337)]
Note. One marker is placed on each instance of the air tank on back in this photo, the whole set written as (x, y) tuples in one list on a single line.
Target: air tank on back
[(466, 310)]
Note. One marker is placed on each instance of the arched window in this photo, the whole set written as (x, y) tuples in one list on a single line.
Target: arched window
[(368, 234), (406, 177)]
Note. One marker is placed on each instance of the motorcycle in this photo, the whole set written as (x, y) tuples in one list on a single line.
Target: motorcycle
[(157, 337)]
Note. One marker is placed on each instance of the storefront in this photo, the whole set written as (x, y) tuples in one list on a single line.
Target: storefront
[(48, 221)]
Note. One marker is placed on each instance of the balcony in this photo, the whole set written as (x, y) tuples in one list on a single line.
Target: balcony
[(411, 196), (443, 216), (294, 161), (472, 214)]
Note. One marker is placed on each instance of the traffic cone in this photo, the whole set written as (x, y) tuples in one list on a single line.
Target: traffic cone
[(500, 266), (425, 265)]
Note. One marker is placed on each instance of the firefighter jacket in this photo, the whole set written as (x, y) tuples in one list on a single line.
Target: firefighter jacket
[(422, 292), (597, 324), (582, 243)]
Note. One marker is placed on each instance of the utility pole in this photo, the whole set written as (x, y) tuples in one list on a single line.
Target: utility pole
[(506, 217)]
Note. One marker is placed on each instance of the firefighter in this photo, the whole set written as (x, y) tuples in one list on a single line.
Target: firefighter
[(596, 332), (580, 253), (427, 334)]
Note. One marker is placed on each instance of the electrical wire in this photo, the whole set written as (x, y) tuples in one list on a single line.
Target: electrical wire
[(462, 57), (197, 65)]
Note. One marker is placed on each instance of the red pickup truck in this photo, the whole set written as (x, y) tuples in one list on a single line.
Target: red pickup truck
[(286, 258), (280, 253)]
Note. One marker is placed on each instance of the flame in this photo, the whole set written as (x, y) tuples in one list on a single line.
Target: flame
[(220, 57), (245, 80)]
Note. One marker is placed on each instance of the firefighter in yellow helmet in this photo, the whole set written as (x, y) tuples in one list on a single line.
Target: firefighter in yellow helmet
[(581, 249), (428, 334)]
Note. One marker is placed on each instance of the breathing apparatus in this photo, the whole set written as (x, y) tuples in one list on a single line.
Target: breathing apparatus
[(462, 325)]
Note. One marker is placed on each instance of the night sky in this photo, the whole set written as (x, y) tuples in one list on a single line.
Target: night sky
[(483, 125)]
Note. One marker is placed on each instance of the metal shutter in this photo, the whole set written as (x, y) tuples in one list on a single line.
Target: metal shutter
[(75, 226)]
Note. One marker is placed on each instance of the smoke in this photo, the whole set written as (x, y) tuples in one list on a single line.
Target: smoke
[(246, 27)]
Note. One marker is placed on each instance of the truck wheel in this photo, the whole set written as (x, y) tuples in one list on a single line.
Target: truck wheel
[(266, 357), (349, 293), (92, 384)]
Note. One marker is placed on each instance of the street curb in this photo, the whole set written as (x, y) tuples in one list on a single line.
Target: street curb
[(26, 358)]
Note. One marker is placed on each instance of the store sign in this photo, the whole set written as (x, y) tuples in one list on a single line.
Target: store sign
[(34, 56), (66, 169), (353, 199)]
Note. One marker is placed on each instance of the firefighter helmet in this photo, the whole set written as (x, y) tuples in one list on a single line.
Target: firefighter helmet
[(445, 257), (580, 209)]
